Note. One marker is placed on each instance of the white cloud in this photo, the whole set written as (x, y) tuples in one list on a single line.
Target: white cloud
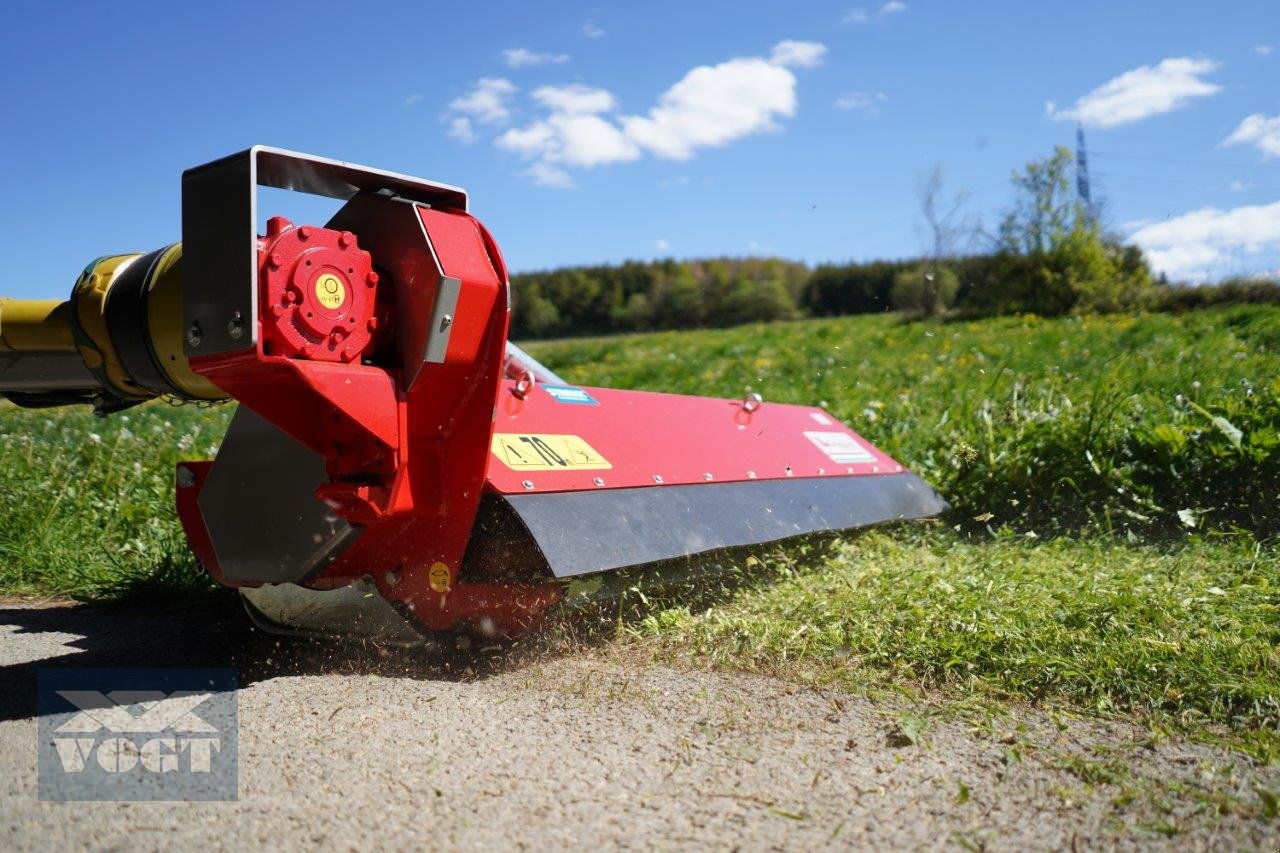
[(1264, 49), (460, 128), (571, 139), (860, 100), (1239, 186), (1199, 244), (661, 245), (488, 101), (858, 15), (575, 98), (546, 175), (591, 31), (712, 105), (413, 100), (520, 57), (1141, 93), (573, 134), (798, 54), (1258, 130)]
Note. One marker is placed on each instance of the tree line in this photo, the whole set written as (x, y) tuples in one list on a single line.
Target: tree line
[(1050, 256)]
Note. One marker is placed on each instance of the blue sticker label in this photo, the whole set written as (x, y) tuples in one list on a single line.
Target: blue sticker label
[(570, 394)]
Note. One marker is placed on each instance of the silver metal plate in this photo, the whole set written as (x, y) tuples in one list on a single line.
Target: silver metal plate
[(355, 611), (219, 231)]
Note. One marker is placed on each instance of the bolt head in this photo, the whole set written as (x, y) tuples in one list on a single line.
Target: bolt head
[(186, 477)]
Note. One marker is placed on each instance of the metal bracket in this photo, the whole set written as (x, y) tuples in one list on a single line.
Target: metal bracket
[(219, 232)]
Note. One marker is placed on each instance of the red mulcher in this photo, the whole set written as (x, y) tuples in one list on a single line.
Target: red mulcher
[(390, 439)]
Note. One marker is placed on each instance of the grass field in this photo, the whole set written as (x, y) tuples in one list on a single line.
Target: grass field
[(1112, 545)]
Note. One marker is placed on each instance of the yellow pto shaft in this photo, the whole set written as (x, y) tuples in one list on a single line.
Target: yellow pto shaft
[(117, 341)]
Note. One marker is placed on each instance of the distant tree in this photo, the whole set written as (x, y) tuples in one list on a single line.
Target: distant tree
[(542, 317), (927, 290), (930, 290), (1054, 258), (681, 300), (636, 314), (755, 300), (947, 227), (1045, 207)]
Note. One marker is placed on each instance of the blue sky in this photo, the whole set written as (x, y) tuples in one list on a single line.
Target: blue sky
[(596, 132)]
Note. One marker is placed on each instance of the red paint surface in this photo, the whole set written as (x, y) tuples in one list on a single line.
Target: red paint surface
[(678, 438)]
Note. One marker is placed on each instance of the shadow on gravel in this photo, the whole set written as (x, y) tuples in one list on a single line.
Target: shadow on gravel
[(209, 634), (213, 631)]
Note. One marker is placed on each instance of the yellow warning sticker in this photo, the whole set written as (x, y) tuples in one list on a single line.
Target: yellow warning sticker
[(546, 453), (438, 577), (330, 291)]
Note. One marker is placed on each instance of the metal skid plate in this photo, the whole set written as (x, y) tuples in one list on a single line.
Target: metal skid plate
[(219, 231), (354, 611), (259, 506)]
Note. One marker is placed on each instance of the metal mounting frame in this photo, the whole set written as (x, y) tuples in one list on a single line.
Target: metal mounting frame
[(219, 232)]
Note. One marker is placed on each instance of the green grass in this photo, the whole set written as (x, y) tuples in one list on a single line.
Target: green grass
[(88, 502), (1115, 483), (1189, 634)]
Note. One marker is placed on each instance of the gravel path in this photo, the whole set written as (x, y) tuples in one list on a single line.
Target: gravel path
[(342, 749)]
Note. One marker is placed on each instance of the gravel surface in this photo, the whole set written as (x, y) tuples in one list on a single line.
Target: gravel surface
[(344, 748)]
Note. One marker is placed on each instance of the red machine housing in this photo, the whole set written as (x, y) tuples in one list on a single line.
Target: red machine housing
[(405, 464), (418, 423)]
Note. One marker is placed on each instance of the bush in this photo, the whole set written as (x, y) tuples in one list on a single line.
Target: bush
[(665, 294), (1081, 272), (1234, 291), (835, 289), (925, 291)]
